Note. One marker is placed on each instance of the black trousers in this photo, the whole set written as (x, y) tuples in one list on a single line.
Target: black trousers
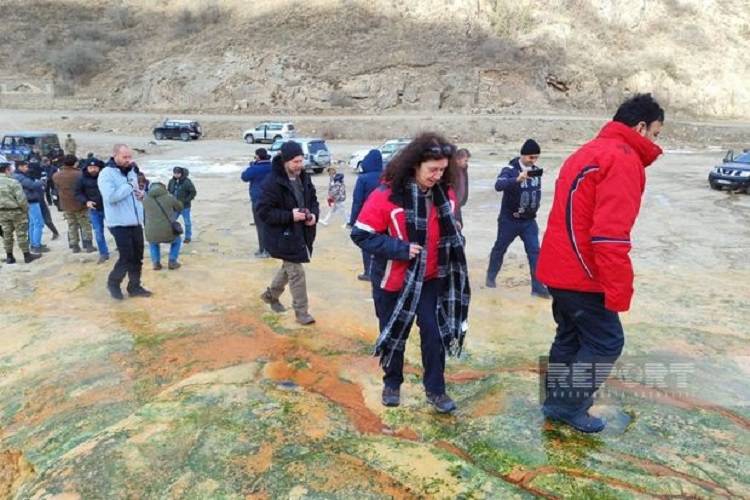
[(259, 227), (129, 241), (47, 217), (433, 353)]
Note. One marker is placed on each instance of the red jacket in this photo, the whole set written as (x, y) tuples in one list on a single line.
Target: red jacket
[(597, 198), (381, 230)]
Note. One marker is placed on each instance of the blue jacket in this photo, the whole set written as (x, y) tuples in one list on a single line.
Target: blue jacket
[(367, 181), (518, 198), (120, 204), (254, 174), (33, 189)]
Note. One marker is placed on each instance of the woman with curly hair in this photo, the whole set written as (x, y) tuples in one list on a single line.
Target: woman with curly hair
[(419, 268)]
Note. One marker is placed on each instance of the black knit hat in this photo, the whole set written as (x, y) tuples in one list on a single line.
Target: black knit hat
[(290, 150), (530, 147)]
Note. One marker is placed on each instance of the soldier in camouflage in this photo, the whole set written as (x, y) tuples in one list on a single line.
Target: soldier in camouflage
[(14, 215)]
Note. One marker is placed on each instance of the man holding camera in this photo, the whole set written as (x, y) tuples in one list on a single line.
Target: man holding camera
[(289, 210), (123, 206), (521, 185)]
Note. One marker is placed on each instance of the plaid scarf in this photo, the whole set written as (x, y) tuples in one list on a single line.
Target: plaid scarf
[(453, 299)]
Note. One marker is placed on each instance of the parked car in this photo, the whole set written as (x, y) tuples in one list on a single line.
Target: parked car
[(387, 149), (316, 153), (270, 132), (18, 145), (184, 130), (733, 173)]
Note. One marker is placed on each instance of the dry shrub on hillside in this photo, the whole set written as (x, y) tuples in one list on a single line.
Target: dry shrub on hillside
[(511, 17), (78, 61), (96, 33), (188, 21), (121, 17)]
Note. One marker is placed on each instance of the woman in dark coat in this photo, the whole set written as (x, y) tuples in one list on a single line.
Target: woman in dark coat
[(160, 210), (289, 210), (419, 268)]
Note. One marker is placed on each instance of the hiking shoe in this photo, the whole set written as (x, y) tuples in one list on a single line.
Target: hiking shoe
[(490, 283), (30, 257), (305, 319), (75, 249), (442, 402), (88, 247), (157, 266), (391, 397), (102, 259), (186, 240), (363, 277), (583, 422), (10, 259), (55, 236), (174, 265), (541, 294), (276, 306), (39, 249), (139, 291), (115, 292)]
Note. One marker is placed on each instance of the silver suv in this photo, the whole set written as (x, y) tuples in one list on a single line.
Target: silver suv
[(316, 153), (269, 132)]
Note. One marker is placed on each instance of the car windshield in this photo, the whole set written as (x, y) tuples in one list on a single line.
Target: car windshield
[(276, 145), (743, 158), (315, 146), (392, 147)]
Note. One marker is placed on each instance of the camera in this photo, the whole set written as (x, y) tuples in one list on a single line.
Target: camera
[(535, 172)]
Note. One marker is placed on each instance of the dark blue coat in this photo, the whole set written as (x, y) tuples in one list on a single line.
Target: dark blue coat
[(34, 190), (518, 198), (254, 174), (367, 181)]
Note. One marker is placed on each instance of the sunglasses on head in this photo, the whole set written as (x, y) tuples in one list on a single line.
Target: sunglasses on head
[(437, 152)]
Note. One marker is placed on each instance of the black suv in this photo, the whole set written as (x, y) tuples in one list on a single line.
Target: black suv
[(184, 130), (733, 173)]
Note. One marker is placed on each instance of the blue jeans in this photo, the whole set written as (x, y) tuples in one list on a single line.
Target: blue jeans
[(174, 250), (188, 223), (433, 353), (36, 224), (97, 223), (588, 341), (507, 231)]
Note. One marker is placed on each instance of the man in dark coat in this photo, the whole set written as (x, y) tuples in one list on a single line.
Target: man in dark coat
[(289, 210), (367, 181), (182, 188), (87, 192), (255, 173)]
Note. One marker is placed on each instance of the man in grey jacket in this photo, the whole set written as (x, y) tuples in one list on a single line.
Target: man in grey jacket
[(122, 199)]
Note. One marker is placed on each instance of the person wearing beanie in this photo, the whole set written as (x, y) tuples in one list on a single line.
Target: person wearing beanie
[(74, 211), (367, 181), (254, 174), (182, 188), (289, 210), (521, 185)]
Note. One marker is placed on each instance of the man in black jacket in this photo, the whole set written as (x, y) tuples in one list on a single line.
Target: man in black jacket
[(87, 192), (289, 209)]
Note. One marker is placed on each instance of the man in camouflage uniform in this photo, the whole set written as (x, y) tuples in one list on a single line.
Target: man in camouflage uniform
[(14, 216)]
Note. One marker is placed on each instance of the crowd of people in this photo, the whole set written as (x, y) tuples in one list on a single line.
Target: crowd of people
[(406, 218)]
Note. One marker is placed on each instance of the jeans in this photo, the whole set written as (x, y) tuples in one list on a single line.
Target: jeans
[(188, 223), (129, 241), (433, 353), (174, 250), (36, 224), (588, 341), (97, 223), (507, 231)]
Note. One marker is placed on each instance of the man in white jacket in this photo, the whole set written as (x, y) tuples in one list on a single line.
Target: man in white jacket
[(121, 196)]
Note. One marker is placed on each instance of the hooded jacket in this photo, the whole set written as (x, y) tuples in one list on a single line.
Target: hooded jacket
[(87, 189), (597, 198), (34, 190), (121, 206), (66, 180), (368, 180), (158, 227), (254, 174), (182, 188), (285, 239)]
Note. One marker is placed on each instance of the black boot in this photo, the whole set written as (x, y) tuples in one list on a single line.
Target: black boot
[(75, 248), (88, 246), (30, 257), (9, 259), (114, 291)]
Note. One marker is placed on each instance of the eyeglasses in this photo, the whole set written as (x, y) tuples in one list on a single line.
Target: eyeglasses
[(438, 152)]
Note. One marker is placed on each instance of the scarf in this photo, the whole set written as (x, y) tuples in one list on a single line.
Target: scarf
[(453, 299)]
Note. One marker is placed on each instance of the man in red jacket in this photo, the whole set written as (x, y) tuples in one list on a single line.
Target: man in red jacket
[(584, 257)]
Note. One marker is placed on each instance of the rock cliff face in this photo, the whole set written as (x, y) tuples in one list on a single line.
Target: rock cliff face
[(387, 55)]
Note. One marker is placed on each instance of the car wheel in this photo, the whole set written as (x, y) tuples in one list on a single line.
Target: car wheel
[(249, 139), (318, 170), (715, 186), (159, 136), (276, 138), (185, 136)]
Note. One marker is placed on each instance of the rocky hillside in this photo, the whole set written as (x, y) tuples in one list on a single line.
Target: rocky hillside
[(377, 56)]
